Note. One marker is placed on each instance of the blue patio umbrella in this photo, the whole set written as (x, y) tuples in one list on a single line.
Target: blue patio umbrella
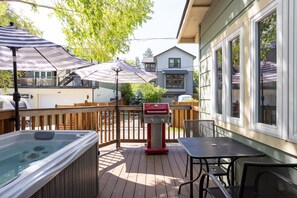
[(20, 50)]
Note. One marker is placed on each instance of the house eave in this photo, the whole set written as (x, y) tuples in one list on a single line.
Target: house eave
[(193, 14)]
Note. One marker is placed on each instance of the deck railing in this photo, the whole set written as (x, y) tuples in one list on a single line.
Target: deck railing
[(99, 118)]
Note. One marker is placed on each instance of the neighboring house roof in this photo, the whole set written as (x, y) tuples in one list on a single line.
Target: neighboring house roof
[(177, 71), (148, 60), (178, 49)]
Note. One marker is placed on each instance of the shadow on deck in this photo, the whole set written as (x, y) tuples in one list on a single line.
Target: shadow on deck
[(129, 172)]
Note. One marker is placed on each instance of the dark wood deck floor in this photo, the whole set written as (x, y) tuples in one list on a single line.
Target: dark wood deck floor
[(129, 172)]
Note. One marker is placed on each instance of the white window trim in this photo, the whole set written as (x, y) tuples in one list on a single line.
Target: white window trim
[(254, 125), (233, 120), (292, 74), (214, 69)]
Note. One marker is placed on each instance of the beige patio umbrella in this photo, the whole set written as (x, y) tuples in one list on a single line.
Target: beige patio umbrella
[(116, 72), (20, 50)]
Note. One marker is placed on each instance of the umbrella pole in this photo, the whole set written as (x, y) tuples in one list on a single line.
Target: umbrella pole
[(16, 94), (117, 111)]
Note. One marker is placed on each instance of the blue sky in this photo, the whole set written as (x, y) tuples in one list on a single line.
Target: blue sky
[(164, 24)]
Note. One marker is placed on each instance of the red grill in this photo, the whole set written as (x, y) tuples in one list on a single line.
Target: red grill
[(156, 115)]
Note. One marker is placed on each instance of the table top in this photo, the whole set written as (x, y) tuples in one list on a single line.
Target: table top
[(217, 147)]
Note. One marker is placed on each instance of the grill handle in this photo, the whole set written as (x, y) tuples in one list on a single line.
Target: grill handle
[(156, 112)]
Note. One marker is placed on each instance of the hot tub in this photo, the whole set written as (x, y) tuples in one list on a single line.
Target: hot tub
[(49, 164)]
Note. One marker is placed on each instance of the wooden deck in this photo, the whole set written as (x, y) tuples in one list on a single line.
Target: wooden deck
[(129, 172)]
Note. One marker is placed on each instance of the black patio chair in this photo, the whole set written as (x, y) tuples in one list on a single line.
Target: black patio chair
[(204, 128), (258, 180)]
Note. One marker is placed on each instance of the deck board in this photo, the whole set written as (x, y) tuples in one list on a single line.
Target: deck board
[(129, 172)]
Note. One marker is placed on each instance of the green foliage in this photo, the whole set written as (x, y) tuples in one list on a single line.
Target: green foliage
[(98, 30), (235, 55), (152, 93), (138, 94), (267, 31), (5, 80), (196, 80), (127, 91), (8, 15), (147, 91)]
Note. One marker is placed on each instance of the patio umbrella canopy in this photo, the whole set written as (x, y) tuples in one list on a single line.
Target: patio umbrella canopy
[(109, 71), (19, 50), (116, 72)]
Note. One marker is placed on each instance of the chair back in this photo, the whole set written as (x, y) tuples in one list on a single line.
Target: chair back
[(269, 180), (199, 128)]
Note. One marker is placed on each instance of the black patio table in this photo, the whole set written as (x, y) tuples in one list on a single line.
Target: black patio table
[(203, 148)]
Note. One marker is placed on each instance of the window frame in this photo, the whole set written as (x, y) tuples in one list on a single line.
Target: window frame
[(178, 65), (218, 116), (292, 63), (177, 89), (234, 120), (254, 124), (150, 67)]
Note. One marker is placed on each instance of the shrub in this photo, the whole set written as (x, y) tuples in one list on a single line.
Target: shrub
[(145, 92)]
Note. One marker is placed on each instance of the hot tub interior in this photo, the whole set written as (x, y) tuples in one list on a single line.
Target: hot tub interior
[(16, 157), (20, 150)]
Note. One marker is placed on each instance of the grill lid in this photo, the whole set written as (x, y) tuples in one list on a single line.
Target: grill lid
[(156, 108)]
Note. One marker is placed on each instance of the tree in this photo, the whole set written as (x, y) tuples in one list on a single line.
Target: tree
[(99, 30), (137, 62), (95, 30), (148, 53), (7, 15), (267, 31), (196, 80)]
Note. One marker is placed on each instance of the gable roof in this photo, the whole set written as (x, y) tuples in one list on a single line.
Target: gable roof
[(177, 49)]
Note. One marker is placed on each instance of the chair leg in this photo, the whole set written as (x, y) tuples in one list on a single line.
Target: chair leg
[(191, 181), (187, 163)]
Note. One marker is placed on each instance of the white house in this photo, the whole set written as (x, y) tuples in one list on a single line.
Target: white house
[(174, 69)]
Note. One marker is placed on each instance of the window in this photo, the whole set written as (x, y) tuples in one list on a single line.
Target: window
[(234, 46), (219, 80), (150, 67), (227, 56), (49, 75), (235, 78), (43, 75), (174, 62), (174, 81), (267, 70)]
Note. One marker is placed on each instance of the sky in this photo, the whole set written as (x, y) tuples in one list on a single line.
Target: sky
[(164, 24)]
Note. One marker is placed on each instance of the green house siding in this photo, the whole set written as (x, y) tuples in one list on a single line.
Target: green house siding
[(222, 18), (271, 153), (220, 14)]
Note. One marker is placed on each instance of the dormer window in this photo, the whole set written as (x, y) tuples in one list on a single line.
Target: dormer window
[(174, 63)]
